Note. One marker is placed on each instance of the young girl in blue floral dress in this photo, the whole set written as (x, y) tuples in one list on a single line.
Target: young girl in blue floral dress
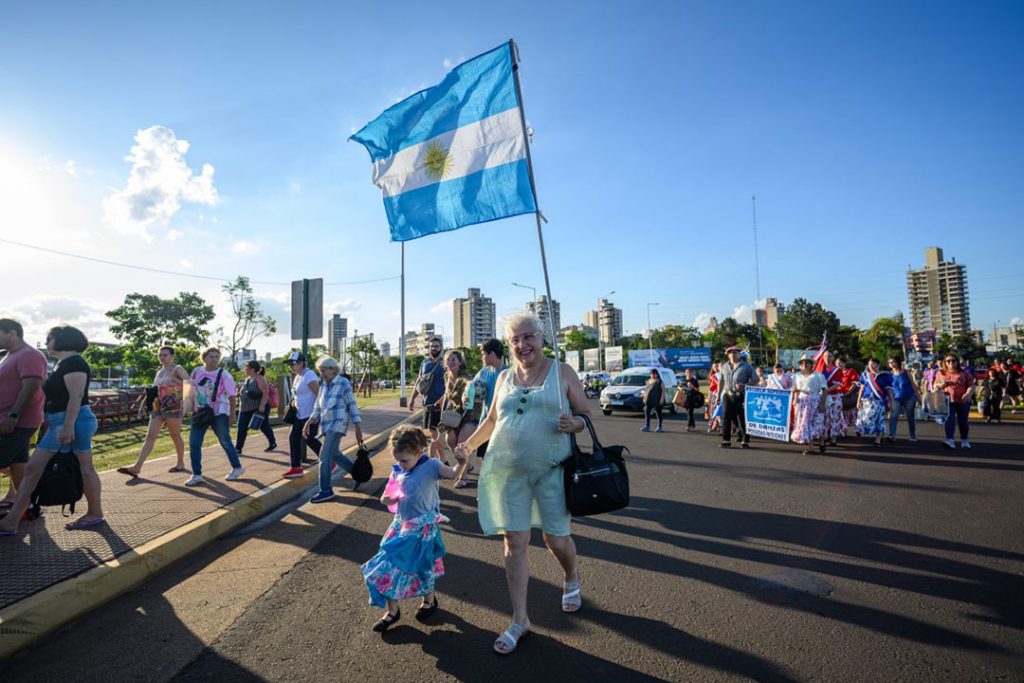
[(409, 560)]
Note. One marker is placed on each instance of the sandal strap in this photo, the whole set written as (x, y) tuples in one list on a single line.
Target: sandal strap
[(510, 636), (570, 594)]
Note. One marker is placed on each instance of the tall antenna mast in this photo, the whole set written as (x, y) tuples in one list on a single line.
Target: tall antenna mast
[(757, 278)]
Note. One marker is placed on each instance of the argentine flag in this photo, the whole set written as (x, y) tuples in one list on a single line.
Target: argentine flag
[(454, 154)]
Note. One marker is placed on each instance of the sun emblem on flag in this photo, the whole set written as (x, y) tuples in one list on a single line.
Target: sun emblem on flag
[(437, 160)]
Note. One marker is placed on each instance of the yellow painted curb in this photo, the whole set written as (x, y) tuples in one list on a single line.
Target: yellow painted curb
[(27, 620)]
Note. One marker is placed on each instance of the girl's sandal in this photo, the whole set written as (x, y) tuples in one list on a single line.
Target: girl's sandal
[(571, 598), (384, 623), (508, 641)]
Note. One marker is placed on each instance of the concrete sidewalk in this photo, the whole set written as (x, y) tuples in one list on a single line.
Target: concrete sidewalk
[(49, 575)]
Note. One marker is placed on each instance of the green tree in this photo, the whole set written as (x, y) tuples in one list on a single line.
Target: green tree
[(578, 341), (675, 337), (249, 319), (802, 324), (147, 321), (884, 339)]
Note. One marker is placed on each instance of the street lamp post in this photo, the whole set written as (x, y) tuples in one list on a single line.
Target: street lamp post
[(532, 289), (650, 332)]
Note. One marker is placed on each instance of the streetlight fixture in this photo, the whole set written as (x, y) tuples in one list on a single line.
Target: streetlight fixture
[(532, 289), (650, 332)]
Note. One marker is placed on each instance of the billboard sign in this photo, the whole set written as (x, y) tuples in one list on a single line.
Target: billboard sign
[(592, 360), (573, 359), (676, 359), (613, 358)]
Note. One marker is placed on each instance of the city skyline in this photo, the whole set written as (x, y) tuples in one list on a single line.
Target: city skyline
[(242, 167)]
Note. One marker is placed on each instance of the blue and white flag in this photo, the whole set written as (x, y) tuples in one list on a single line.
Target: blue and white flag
[(454, 154)]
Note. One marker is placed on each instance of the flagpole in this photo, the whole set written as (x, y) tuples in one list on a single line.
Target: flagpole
[(540, 232), (401, 336)]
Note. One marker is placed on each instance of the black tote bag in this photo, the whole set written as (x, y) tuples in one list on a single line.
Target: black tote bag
[(595, 482)]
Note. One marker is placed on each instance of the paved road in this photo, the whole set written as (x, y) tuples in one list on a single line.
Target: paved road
[(863, 564)]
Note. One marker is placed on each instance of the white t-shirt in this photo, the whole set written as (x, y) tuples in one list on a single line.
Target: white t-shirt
[(812, 384), (304, 396)]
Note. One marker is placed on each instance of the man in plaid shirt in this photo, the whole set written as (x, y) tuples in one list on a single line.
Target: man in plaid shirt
[(334, 409)]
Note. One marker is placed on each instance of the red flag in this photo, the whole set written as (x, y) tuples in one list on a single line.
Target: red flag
[(819, 355)]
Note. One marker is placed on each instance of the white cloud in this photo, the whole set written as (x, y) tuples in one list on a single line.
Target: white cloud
[(246, 247), (158, 183), (701, 321), (1015, 321), (443, 307), (173, 235), (743, 314), (185, 263), (39, 313), (344, 307)]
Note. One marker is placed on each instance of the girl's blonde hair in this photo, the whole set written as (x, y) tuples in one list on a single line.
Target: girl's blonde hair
[(408, 439)]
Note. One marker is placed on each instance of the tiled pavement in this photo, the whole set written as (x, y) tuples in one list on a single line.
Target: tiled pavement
[(141, 510)]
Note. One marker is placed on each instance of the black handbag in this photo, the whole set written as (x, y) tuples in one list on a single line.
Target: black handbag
[(291, 416), (595, 482), (204, 416), (362, 468)]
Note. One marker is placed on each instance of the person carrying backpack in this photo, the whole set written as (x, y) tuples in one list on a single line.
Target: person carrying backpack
[(70, 422)]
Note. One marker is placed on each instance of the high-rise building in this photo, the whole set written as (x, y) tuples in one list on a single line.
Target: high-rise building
[(590, 319), (243, 356), (711, 326), (418, 343), (337, 330), (771, 312), (937, 295), (474, 319), (609, 322), (540, 309), (385, 350)]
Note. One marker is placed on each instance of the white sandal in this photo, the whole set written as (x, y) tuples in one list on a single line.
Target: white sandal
[(510, 639), (572, 601)]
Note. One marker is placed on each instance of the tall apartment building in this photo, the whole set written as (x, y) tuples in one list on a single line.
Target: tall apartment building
[(769, 315), (937, 295), (590, 319), (540, 309), (474, 319), (337, 330), (609, 322), (418, 343), (385, 350)]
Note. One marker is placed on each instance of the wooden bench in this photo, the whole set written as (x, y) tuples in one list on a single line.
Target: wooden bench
[(119, 410)]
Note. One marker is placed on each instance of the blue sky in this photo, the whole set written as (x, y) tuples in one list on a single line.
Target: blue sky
[(867, 131)]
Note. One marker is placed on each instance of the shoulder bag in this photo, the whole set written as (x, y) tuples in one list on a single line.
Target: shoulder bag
[(204, 416), (595, 482), (425, 380)]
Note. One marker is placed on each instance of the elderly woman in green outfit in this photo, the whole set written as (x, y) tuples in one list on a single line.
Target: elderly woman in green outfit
[(520, 484)]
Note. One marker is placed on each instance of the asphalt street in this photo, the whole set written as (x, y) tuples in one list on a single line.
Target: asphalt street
[(899, 564)]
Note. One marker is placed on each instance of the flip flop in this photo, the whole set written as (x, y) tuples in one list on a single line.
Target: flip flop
[(177, 469), (84, 524), (510, 639), (125, 470), (572, 601)]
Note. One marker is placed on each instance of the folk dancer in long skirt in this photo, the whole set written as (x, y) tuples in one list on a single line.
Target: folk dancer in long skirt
[(810, 394), (850, 389), (875, 395), (835, 423)]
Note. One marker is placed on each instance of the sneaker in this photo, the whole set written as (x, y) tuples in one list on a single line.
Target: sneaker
[(949, 443), (271, 447), (645, 429), (322, 497), (659, 429), (294, 473), (744, 444), (912, 439), (725, 444), (194, 480), (965, 444), (234, 474)]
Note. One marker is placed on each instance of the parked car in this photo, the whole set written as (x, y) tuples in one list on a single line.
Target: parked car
[(625, 391)]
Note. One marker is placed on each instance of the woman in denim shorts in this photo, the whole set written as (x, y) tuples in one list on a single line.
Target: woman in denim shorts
[(70, 426)]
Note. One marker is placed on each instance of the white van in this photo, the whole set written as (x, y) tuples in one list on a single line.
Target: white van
[(625, 391)]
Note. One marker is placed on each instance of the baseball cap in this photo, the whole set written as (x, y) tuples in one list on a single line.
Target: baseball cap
[(732, 348), (295, 357)]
